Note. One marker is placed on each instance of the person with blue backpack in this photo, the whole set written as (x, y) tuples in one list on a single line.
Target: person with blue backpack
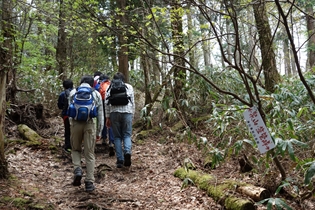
[(63, 105), (86, 121), (119, 111)]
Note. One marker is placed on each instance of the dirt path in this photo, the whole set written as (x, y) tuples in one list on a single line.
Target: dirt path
[(148, 184), (41, 178)]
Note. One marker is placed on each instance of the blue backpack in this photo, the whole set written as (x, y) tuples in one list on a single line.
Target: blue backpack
[(82, 107)]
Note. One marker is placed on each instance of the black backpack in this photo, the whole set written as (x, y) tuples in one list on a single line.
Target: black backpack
[(118, 93)]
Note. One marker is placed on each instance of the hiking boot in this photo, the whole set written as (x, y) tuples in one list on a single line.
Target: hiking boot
[(77, 177), (119, 164), (111, 150), (127, 160), (89, 186)]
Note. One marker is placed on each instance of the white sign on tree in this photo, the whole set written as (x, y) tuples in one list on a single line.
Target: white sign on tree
[(259, 130)]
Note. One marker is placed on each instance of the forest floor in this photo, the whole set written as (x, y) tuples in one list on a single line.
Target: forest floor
[(41, 178)]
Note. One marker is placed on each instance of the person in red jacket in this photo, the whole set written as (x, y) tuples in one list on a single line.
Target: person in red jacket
[(104, 84)]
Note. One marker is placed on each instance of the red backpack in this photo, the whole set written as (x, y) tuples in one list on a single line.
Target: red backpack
[(103, 87)]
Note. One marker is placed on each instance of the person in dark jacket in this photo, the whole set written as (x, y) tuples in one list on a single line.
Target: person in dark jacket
[(63, 105)]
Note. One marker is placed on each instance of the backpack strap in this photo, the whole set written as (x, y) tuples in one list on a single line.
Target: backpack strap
[(110, 85)]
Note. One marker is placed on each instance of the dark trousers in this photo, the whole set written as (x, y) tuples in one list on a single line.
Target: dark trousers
[(108, 131), (67, 132)]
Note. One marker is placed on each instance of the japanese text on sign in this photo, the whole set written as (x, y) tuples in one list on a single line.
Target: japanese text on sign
[(259, 130)]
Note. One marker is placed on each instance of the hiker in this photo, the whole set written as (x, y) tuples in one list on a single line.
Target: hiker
[(98, 79), (83, 128), (63, 105), (96, 76), (104, 84), (119, 110)]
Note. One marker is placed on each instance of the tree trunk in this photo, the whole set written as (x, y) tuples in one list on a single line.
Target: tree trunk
[(254, 63), (286, 52), (287, 56), (61, 51), (310, 31), (293, 65), (145, 65), (178, 51), (114, 54), (3, 162), (205, 45), (123, 48), (190, 26), (272, 76), (5, 67)]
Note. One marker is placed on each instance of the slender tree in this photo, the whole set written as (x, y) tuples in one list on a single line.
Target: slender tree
[(5, 67), (310, 23), (122, 39), (61, 51), (178, 51), (272, 76)]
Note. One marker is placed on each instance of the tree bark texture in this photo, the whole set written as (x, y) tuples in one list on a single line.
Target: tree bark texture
[(123, 48), (5, 67), (178, 51), (3, 162), (287, 56), (145, 65), (190, 40), (223, 193), (205, 44), (61, 51), (310, 31), (272, 76)]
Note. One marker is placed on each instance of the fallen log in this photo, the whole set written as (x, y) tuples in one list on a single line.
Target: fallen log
[(224, 193), (33, 139), (254, 192)]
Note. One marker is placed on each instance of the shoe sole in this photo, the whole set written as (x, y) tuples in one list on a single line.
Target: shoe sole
[(127, 160), (77, 181), (89, 190)]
